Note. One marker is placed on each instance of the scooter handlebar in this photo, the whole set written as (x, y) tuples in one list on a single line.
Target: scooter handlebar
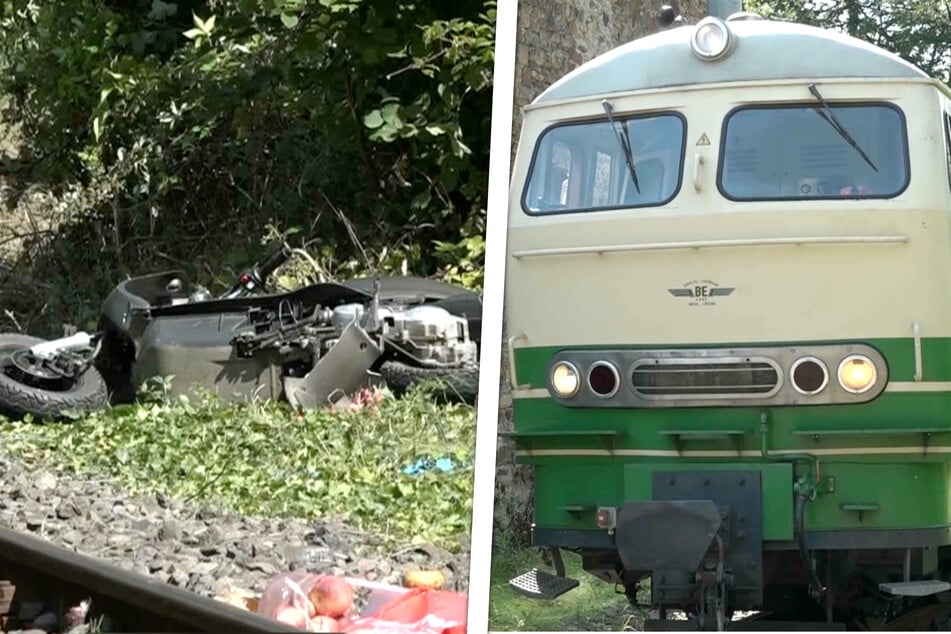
[(270, 264)]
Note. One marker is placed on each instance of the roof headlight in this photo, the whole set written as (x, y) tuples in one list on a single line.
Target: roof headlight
[(712, 39)]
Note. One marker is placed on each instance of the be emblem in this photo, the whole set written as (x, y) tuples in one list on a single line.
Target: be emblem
[(701, 292)]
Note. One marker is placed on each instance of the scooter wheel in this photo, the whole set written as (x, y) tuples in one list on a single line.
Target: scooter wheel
[(87, 393), (456, 384)]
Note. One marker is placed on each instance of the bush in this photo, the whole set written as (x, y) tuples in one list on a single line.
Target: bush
[(172, 133)]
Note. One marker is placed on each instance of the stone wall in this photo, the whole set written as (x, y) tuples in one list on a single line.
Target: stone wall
[(554, 37)]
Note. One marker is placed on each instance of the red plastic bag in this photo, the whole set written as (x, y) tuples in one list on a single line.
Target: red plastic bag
[(419, 611)]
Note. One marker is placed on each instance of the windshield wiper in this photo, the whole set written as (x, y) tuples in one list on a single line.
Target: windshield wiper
[(832, 120), (625, 143)]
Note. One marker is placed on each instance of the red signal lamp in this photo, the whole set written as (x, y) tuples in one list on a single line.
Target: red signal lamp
[(607, 517)]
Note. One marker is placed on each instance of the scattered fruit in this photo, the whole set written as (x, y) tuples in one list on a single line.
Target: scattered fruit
[(332, 596), (324, 624), (344, 622), (432, 579), (242, 599), (292, 616)]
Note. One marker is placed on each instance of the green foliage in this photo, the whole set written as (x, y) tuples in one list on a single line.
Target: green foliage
[(917, 30), (594, 606), (464, 261), (191, 125), (265, 459)]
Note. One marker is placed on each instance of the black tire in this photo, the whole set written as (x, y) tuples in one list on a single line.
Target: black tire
[(458, 384), (86, 394)]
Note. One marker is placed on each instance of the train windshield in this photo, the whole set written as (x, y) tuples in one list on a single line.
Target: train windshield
[(582, 167), (810, 151)]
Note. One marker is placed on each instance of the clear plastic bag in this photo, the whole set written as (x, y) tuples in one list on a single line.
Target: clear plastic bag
[(388, 609), (286, 599)]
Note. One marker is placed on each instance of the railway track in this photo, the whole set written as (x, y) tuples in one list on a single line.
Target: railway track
[(32, 570)]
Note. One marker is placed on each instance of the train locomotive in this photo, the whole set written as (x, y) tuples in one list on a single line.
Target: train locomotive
[(728, 290)]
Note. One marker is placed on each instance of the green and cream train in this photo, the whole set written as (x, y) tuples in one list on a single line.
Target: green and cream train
[(728, 295)]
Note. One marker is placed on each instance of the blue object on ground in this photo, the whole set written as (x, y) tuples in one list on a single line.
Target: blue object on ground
[(428, 464)]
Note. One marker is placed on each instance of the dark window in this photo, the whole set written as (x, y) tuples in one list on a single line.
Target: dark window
[(790, 152), (581, 167)]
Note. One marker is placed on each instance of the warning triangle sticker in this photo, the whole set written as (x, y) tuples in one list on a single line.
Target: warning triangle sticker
[(704, 140)]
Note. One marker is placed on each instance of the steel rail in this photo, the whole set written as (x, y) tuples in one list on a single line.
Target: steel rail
[(34, 559)]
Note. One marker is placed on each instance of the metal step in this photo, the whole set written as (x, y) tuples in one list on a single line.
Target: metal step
[(923, 588), (765, 625), (539, 584), (752, 625), (671, 625)]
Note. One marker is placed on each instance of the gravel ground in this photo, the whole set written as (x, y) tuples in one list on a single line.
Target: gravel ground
[(205, 550)]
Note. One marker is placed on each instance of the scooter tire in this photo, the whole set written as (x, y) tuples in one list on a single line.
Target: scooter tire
[(86, 394), (457, 384)]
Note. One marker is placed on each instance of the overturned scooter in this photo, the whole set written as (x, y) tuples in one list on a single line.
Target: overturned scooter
[(309, 346)]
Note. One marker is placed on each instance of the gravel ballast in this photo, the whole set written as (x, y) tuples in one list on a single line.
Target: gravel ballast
[(205, 550)]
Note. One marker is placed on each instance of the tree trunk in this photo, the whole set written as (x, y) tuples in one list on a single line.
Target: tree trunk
[(554, 37), (853, 10)]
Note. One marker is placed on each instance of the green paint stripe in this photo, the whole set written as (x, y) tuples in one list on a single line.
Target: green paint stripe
[(642, 428), (906, 495), (531, 362)]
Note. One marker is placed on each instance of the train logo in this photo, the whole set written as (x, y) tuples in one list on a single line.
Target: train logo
[(701, 292)]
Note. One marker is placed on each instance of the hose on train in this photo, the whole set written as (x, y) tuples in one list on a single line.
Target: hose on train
[(816, 589), (805, 491)]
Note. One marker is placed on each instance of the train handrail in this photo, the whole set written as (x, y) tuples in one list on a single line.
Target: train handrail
[(708, 244)]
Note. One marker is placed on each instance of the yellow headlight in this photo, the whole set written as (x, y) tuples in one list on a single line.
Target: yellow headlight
[(565, 379), (857, 374)]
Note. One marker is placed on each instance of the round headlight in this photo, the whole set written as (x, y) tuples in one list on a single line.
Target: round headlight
[(809, 375), (565, 379), (711, 39), (603, 379), (857, 374)]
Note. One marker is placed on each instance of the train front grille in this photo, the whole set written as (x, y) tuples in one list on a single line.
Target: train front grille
[(687, 378)]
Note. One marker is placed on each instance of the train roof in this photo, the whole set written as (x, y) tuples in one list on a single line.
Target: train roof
[(764, 50)]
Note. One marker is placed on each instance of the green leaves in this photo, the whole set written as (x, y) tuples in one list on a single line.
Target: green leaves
[(387, 124), (203, 29), (265, 459), (917, 30), (184, 129)]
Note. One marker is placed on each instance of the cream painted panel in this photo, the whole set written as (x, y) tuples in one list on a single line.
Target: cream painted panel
[(813, 291)]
